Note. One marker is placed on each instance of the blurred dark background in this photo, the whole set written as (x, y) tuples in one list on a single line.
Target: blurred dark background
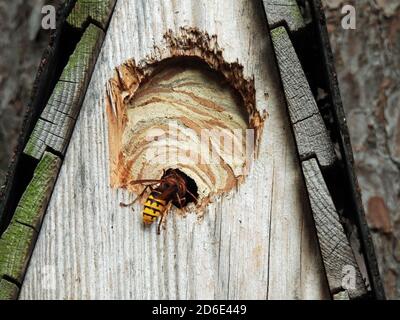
[(368, 66), (22, 42)]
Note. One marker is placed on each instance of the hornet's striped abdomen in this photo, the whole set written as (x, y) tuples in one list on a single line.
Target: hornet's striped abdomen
[(153, 207)]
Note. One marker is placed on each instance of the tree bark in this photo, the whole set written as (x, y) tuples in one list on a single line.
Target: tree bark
[(368, 66)]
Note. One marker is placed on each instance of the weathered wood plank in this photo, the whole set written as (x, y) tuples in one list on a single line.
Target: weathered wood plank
[(311, 135), (33, 203), (56, 123), (52, 130), (17, 241), (340, 264), (284, 12), (256, 242), (98, 11), (16, 245), (313, 141), (53, 59), (8, 290)]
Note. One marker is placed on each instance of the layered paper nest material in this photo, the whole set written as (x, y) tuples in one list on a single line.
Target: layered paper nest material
[(184, 107)]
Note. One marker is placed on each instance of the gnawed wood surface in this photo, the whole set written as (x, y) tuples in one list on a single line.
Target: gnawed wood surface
[(257, 242), (166, 116), (183, 107), (97, 11)]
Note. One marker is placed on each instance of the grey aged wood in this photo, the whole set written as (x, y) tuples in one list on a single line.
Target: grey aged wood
[(52, 132), (8, 290), (257, 242), (340, 264), (53, 129), (285, 12), (311, 135), (313, 141), (57, 120), (17, 241), (97, 11)]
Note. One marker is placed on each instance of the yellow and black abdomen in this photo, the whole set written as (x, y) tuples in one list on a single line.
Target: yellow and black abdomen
[(153, 207)]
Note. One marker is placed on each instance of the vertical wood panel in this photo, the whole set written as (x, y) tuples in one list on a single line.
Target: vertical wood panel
[(256, 242)]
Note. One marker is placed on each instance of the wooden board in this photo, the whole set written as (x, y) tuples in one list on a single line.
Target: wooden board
[(53, 60), (257, 242), (284, 12), (338, 257), (17, 241), (8, 290), (49, 139), (57, 120), (316, 151), (96, 11)]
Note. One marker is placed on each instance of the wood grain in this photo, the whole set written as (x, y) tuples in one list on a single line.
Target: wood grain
[(17, 241), (97, 11), (336, 251), (187, 109), (57, 120), (312, 137), (16, 245), (33, 203), (285, 12), (256, 242), (316, 151)]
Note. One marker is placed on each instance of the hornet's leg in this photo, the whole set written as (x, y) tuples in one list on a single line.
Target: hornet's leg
[(138, 197), (180, 201), (167, 208), (184, 209), (160, 223), (192, 195)]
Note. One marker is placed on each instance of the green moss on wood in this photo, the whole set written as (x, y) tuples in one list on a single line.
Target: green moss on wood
[(297, 19), (33, 203), (18, 239), (15, 249), (8, 290), (80, 63), (97, 10), (66, 97), (284, 11), (35, 147), (279, 33)]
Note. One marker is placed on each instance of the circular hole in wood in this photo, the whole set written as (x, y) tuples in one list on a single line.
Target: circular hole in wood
[(186, 110), (190, 195)]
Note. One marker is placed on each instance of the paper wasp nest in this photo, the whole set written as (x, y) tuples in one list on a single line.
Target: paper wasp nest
[(183, 108)]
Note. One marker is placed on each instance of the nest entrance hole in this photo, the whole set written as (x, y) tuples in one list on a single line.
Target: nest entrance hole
[(191, 194)]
